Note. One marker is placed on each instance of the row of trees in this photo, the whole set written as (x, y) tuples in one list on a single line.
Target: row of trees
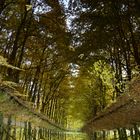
[(86, 61), (34, 38), (108, 31)]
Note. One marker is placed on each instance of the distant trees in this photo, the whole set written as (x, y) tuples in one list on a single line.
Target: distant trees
[(92, 91)]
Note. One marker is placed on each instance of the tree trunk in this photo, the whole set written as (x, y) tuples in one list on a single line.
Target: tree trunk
[(12, 59)]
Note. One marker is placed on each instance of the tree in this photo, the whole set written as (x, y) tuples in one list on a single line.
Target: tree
[(108, 30), (33, 40)]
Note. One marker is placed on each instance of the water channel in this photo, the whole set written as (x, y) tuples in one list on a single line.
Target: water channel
[(11, 129)]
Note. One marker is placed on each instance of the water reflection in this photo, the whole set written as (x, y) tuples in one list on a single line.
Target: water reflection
[(132, 133), (12, 130)]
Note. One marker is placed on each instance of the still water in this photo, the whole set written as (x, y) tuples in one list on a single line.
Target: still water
[(11, 130), (15, 130)]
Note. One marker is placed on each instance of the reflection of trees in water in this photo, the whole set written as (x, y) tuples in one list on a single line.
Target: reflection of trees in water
[(26, 132), (12, 130), (9, 130), (132, 133)]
